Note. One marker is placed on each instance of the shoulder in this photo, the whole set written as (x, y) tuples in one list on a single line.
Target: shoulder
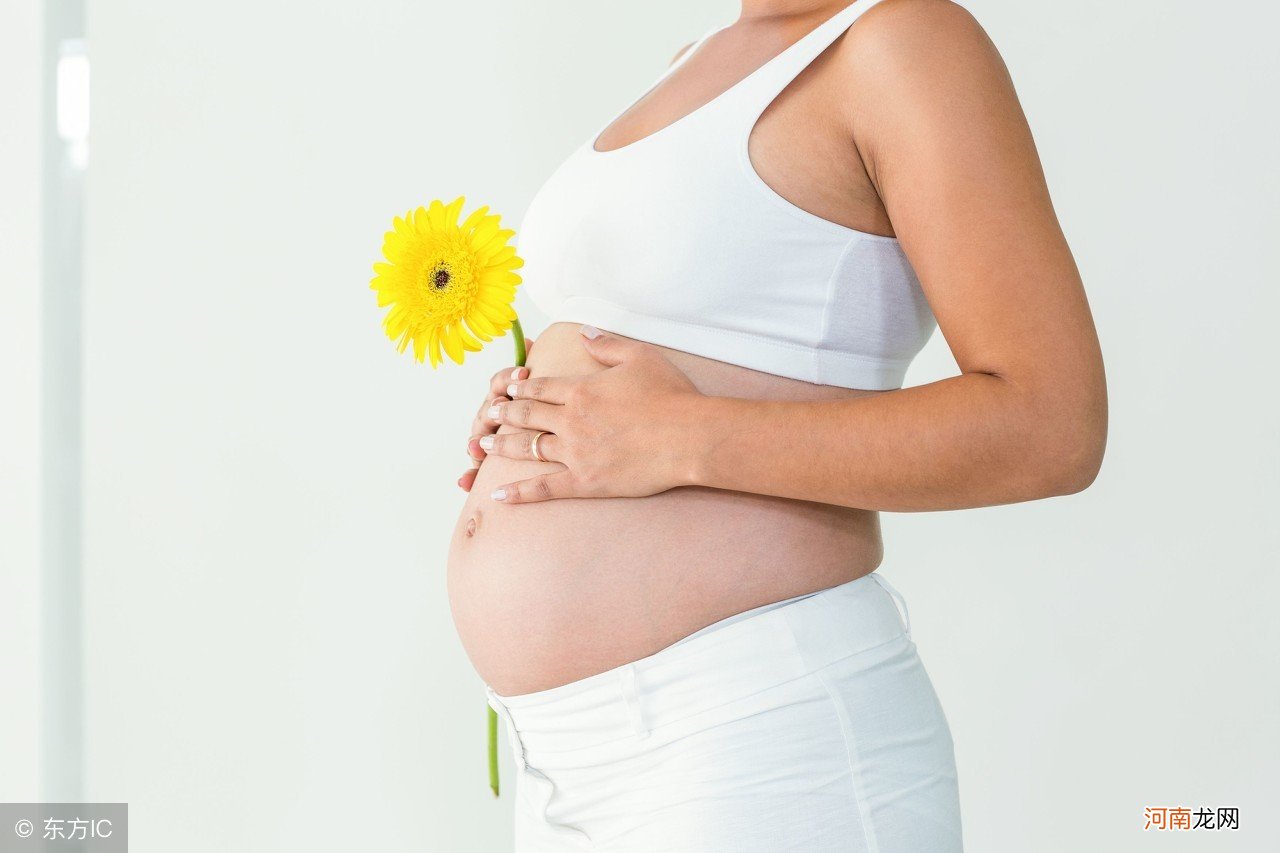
[(912, 43), (918, 21), (914, 68)]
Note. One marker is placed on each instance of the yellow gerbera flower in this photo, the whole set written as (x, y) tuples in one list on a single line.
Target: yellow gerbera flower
[(449, 286)]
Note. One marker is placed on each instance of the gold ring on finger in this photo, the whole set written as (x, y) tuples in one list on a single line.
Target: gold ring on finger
[(534, 446)]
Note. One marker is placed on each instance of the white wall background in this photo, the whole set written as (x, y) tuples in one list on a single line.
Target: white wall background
[(21, 35), (269, 487)]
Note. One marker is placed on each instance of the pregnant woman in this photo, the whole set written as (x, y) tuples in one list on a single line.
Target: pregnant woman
[(665, 567)]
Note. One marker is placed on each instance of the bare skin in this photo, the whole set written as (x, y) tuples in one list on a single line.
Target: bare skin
[(730, 488)]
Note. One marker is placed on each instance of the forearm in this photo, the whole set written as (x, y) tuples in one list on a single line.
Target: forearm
[(971, 440)]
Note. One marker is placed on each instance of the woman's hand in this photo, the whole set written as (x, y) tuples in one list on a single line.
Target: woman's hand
[(482, 425), (620, 432)]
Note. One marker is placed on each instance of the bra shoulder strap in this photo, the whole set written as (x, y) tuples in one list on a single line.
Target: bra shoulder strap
[(774, 76)]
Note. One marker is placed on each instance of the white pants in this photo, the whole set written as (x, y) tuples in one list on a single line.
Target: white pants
[(810, 726)]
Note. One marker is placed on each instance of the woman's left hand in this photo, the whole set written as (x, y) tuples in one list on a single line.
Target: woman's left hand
[(620, 432)]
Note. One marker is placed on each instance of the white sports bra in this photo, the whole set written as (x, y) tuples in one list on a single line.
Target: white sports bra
[(676, 240)]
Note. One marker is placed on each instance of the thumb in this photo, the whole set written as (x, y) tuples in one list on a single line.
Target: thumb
[(605, 348)]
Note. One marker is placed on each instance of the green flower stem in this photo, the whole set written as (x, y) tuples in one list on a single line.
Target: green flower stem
[(493, 751), (521, 354)]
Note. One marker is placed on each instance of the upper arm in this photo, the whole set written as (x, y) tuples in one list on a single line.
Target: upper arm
[(681, 52), (947, 145)]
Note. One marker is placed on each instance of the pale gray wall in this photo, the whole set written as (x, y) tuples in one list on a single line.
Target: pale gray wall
[(21, 34), (269, 488)]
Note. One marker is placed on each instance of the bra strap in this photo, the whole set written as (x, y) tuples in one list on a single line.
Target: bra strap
[(770, 79)]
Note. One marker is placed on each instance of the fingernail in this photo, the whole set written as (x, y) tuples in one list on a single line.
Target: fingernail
[(590, 332), (494, 411), (511, 390), (518, 373), (487, 442), (499, 494)]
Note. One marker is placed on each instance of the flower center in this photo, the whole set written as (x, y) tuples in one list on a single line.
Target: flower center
[(440, 277), (444, 279)]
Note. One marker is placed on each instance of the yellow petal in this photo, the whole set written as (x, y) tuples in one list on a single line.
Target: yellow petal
[(394, 322), (498, 239), (485, 230), (453, 210), (392, 246), (494, 309), (499, 280), (476, 217), (493, 315), (497, 253), (435, 215), (420, 344), (402, 225), (480, 325), (452, 343), (422, 221), (511, 263), (433, 346), (468, 340)]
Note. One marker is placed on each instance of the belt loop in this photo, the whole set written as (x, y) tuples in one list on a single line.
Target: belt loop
[(898, 601), (631, 696), (517, 745)]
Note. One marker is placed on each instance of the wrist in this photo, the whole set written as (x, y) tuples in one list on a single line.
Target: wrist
[(694, 438)]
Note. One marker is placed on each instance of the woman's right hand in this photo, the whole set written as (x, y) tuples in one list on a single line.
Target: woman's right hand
[(482, 425)]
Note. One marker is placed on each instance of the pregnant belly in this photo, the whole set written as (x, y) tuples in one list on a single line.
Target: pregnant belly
[(547, 593)]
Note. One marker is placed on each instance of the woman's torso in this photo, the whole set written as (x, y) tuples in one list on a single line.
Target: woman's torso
[(547, 593)]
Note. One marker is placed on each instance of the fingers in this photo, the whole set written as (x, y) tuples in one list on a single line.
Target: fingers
[(519, 445), (544, 487), (500, 380), (610, 349), (482, 424), (476, 452), (548, 389), (527, 414), (497, 393)]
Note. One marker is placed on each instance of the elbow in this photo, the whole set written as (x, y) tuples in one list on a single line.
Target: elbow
[(1073, 455), (1077, 465), (1061, 420)]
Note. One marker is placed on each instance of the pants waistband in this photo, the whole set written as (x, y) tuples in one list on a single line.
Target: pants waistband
[(713, 669)]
